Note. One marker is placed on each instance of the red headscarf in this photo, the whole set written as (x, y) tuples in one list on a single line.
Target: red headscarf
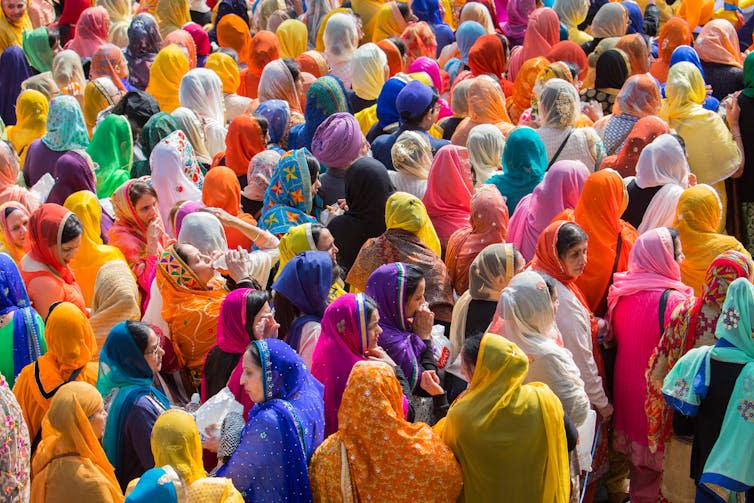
[(45, 232), (489, 56), (92, 30), (570, 52), (420, 41), (643, 133), (542, 33)]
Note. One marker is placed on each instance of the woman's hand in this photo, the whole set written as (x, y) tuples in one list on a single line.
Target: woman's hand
[(431, 383), (423, 321), (593, 110), (154, 236), (237, 262), (606, 412), (223, 216), (378, 354), (267, 328), (211, 440)]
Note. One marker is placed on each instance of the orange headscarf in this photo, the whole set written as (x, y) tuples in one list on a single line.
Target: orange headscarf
[(488, 56), (70, 346), (518, 102), (486, 106), (244, 140), (394, 58), (222, 190), (45, 229), (718, 43), (16, 252), (637, 51), (313, 62), (675, 32), (696, 12), (598, 212), (233, 32), (185, 40), (264, 48), (643, 133)]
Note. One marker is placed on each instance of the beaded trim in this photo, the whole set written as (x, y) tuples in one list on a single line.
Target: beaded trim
[(361, 312), (264, 355)]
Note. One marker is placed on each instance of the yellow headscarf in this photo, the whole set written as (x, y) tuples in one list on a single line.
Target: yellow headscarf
[(406, 212), (292, 36), (31, 121), (366, 9), (298, 239), (388, 22), (572, 13), (368, 71), (93, 253), (168, 68), (367, 118), (176, 442), (116, 298), (98, 95), (225, 68), (697, 219), (171, 15), (11, 33), (66, 430), (488, 427), (121, 13)]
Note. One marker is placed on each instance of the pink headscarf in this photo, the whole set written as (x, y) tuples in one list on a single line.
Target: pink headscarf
[(201, 39), (560, 190), (542, 33), (651, 266), (431, 68), (518, 17), (92, 30), (449, 190)]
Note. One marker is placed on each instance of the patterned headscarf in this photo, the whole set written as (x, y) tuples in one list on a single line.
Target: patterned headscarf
[(66, 129)]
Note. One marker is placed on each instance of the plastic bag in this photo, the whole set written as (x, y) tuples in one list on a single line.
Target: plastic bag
[(440, 346), (586, 441), (212, 412)]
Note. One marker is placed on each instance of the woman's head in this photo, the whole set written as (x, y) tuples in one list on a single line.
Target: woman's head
[(73, 406), (572, 245), (143, 199), (16, 225), (148, 343), (416, 285), (70, 238), (257, 308), (199, 263), (324, 240), (558, 104), (14, 10), (469, 355)]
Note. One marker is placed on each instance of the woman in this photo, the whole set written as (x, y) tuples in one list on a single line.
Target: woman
[(260, 170), (176, 442), (384, 432), (70, 462), (68, 72), (284, 428), (449, 190), (662, 174), (598, 212), (478, 13), (301, 292), (16, 462), (412, 160), (570, 53), (227, 69), (499, 414), (649, 290), (486, 105), (292, 35), (14, 219), (726, 371), (245, 139), (143, 45), (460, 109), (635, 47), (137, 231), (281, 80), (611, 72), (524, 166), (518, 20), (572, 13), (542, 33), (289, 198), (129, 360), (638, 98), (112, 149), (222, 190), (70, 344), (558, 110), (171, 15), (92, 31), (165, 74), (409, 238), (55, 236), (163, 484), (18, 71), (325, 97), (264, 48), (188, 122), (108, 62), (643, 132), (559, 190), (388, 21), (368, 76), (245, 315), (31, 121), (420, 41), (368, 187), (523, 87), (675, 32), (66, 130), (201, 91), (92, 253), (489, 56), (116, 298), (717, 46), (233, 32), (185, 41), (121, 14), (100, 95), (488, 225), (279, 119), (697, 219), (21, 327), (12, 26)]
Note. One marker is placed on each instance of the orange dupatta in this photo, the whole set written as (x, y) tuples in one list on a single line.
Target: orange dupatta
[(222, 190)]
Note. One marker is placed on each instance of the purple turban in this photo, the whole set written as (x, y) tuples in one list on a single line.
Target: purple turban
[(338, 140)]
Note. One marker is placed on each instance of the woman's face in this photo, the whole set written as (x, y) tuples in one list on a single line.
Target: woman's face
[(251, 379), (146, 209), (555, 301), (18, 227), (326, 243), (201, 264), (574, 261), (14, 9), (315, 186), (154, 352), (68, 250), (373, 330), (98, 421), (264, 312), (679, 256), (415, 301)]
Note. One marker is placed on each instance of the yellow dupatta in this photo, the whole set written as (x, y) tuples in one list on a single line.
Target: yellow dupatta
[(11, 33), (31, 121), (406, 212)]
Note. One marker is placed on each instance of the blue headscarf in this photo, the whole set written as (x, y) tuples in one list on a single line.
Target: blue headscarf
[(283, 431), (157, 484), (427, 10), (387, 113), (122, 366), (688, 54), (305, 281), (288, 198), (278, 114), (466, 35), (326, 96), (524, 166), (15, 71), (635, 18), (443, 35), (28, 343)]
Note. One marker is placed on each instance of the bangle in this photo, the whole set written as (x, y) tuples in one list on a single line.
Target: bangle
[(736, 136)]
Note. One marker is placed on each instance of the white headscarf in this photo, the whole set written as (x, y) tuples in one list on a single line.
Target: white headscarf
[(485, 145), (189, 123), (201, 90), (341, 39), (368, 71), (203, 231), (558, 104)]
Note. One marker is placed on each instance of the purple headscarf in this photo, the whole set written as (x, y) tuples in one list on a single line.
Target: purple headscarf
[(518, 19), (387, 286), (431, 68), (15, 71), (72, 173), (185, 210), (143, 45)]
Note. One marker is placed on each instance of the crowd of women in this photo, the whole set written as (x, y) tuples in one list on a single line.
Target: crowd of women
[(436, 250)]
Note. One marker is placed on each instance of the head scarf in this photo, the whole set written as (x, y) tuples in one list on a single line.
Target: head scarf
[(688, 54), (368, 71), (99, 95), (259, 173), (316, 13), (263, 9), (278, 115), (635, 17), (570, 52), (558, 104), (158, 484), (486, 104), (264, 48), (639, 96), (120, 14), (11, 32), (200, 229), (189, 123), (674, 33), (68, 73), (112, 149), (16, 70), (244, 140), (489, 55), (143, 46), (200, 90), (92, 31), (31, 120), (313, 62), (183, 39), (610, 21), (718, 43), (222, 190), (137, 107), (412, 154), (406, 212), (466, 36), (449, 190), (383, 431), (325, 97), (642, 134), (74, 171), (171, 15), (233, 32), (420, 41), (8, 246), (116, 297), (500, 410), (559, 190), (292, 35), (165, 75), (201, 41), (158, 127), (66, 430), (518, 18), (297, 240), (611, 70), (485, 145), (523, 87), (572, 13), (36, 45), (488, 225), (45, 229), (387, 22), (542, 33), (637, 51), (387, 113), (225, 68), (277, 82), (524, 166), (232, 7), (108, 61), (288, 198), (176, 442), (338, 141), (477, 12), (340, 38)]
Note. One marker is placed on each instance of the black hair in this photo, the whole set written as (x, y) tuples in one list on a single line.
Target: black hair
[(404, 10), (399, 43), (140, 333), (313, 165), (52, 307), (680, 141), (253, 351), (470, 351), (72, 229), (9, 210), (569, 235), (573, 68), (371, 306), (286, 313), (674, 236), (506, 45), (139, 188), (316, 231), (551, 285), (180, 250), (414, 274), (255, 300), (264, 125), (292, 68), (53, 37)]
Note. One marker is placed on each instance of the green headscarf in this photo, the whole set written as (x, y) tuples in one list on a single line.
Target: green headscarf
[(157, 128), (749, 75), (112, 149), (37, 49)]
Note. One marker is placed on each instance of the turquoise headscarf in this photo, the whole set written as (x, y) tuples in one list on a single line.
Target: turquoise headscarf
[(524, 166), (728, 468), (158, 484), (66, 129), (122, 367)]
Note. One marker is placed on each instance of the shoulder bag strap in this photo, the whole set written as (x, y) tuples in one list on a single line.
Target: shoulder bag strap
[(560, 149), (663, 306)]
